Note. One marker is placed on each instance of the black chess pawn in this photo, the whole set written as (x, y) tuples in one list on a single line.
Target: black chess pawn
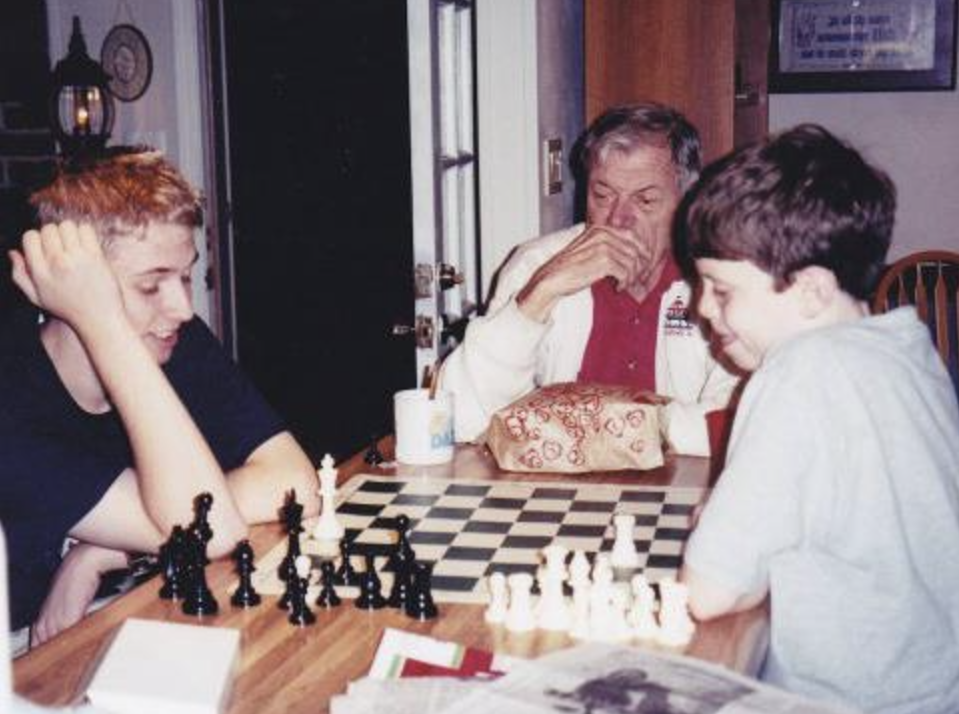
[(400, 592), (370, 597), (173, 565), (402, 554), (327, 597), (373, 457), (245, 595), (419, 604), (300, 612), (289, 576), (201, 520), (199, 598), (345, 574)]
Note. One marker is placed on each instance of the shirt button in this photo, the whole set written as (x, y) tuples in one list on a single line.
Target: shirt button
[(631, 365), (635, 319)]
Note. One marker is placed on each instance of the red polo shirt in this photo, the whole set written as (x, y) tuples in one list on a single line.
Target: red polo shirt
[(622, 343)]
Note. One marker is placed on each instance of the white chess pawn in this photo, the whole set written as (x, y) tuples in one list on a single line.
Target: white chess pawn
[(624, 553), (499, 599), (619, 629), (303, 566), (602, 621), (579, 623), (520, 616), (676, 627), (554, 556), (641, 615), (602, 568), (578, 569), (327, 527)]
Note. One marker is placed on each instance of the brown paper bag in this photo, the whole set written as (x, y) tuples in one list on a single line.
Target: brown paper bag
[(574, 428)]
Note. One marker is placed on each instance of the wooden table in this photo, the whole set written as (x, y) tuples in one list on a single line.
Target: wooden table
[(290, 670)]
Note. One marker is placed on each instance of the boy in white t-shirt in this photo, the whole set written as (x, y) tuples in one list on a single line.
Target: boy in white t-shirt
[(839, 499)]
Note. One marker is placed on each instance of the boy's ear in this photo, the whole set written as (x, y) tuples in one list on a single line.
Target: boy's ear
[(817, 289)]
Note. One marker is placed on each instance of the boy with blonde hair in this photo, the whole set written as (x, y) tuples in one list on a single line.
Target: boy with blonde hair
[(119, 406), (839, 499)]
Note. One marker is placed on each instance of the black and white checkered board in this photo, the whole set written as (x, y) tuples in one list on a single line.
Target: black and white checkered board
[(471, 528)]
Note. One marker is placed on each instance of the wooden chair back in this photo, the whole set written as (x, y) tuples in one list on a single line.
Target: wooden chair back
[(930, 281)]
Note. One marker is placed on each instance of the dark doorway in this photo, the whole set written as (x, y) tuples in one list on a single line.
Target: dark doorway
[(318, 120), (26, 144)]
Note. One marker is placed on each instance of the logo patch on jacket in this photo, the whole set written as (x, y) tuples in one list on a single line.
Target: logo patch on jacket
[(677, 318)]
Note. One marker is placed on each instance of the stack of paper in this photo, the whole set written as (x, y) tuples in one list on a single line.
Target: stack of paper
[(166, 668), (588, 678)]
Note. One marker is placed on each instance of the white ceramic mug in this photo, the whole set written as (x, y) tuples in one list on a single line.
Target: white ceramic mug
[(424, 427)]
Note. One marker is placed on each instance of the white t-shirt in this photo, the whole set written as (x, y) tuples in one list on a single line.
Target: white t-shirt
[(841, 495)]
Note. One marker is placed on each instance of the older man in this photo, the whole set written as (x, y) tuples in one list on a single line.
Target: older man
[(603, 302)]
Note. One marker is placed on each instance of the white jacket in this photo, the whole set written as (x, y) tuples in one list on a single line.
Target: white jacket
[(505, 355)]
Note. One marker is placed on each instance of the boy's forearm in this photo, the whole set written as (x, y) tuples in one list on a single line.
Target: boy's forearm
[(709, 600), (172, 460), (275, 467)]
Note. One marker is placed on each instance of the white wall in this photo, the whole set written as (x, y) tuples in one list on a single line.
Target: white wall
[(914, 136), (507, 128), (561, 97), (529, 88), (167, 117)]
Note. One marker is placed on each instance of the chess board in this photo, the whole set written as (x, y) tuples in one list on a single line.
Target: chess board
[(471, 528)]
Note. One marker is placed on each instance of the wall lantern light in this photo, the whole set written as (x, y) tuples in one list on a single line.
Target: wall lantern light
[(81, 107)]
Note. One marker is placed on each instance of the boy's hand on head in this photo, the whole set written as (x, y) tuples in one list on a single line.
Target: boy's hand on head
[(62, 269), (598, 252)]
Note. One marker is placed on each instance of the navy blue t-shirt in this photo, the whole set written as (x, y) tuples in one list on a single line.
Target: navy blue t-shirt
[(57, 461)]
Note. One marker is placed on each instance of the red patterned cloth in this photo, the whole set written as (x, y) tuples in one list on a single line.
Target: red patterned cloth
[(575, 427)]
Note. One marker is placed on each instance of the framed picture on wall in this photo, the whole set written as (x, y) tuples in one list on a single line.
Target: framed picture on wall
[(863, 45)]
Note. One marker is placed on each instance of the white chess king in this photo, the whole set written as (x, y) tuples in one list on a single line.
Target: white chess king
[(327, 527)]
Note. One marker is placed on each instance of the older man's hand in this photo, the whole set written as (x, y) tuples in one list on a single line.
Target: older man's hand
[(598, 252)]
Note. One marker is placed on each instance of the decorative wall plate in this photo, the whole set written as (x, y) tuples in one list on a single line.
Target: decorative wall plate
[(126, 57)]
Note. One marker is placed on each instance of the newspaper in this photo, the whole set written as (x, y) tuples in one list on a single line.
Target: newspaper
[(608, 679)]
